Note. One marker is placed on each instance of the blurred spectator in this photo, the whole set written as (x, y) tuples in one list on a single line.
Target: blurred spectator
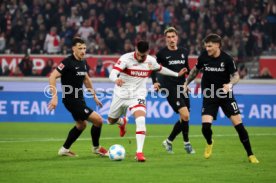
[(2, 42), (265, 74), (26, 66), (243, 72), (100, 70), (1, 71), (85, 31), (52, 42), (47, 68), (6, 71)]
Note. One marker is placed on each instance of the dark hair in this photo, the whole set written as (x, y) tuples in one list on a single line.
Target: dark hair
[(142, 46), (214, 38), (77, 40), (170, 29)]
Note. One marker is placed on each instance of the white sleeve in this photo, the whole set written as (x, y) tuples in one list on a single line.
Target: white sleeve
[(168, 72), (114, 75)]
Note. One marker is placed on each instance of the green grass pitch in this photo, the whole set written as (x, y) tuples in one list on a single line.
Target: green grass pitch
[(29, 154)]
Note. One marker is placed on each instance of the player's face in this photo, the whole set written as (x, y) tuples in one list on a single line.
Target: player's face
[(141, 57), (171, 40), (79, 51), (213, 49)]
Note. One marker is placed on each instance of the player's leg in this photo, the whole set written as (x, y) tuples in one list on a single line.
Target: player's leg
[(176, 104), (231, 110), (244, 137), (140, 121), (209, 113), (76, 108), (118, 109)]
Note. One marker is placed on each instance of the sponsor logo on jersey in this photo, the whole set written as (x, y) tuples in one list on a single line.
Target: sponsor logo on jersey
[(214, 69), (175, 62), (139, 73), (81, 74)]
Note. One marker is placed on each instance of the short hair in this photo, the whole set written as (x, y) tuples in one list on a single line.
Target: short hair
[(142, 46), (214, 38), (77, 40), (170, 29)]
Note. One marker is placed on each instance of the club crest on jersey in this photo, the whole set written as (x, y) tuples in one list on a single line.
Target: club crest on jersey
[(150, 66), (61, 66), (222, 64), (182, 55)]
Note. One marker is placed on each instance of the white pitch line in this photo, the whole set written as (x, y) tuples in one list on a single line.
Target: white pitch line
[(15, 140)]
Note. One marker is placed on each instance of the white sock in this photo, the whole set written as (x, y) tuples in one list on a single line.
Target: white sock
[(120, 121), (140, 133)]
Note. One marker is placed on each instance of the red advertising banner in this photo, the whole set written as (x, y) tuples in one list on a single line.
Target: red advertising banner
[(39, 62), (268, 62)]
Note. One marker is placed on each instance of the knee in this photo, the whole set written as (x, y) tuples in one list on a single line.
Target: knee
[(140, 123), (81, 125), (98, 121), (185, 117)]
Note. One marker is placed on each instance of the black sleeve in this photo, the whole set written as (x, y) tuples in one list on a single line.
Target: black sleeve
[(199, 63), (231, 66), (187, 61)]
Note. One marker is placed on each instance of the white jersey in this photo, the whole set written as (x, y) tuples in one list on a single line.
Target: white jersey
[(135, 75)]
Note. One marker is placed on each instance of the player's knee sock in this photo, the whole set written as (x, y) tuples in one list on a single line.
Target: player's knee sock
[(95, 135), (140, 132), (73, 134), (207, 132), (244, 138), (175, 131), (185, 130)]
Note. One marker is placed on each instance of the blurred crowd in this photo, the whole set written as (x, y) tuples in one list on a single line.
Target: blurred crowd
[(113, 26)]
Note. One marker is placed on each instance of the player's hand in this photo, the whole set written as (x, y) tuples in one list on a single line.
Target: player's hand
[(119, 82), (53, 103), (227, 87), (156, 86), (182, 71), (98, 102), (186, 88)]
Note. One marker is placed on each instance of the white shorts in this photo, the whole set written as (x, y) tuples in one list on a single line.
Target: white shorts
[(119, 106)]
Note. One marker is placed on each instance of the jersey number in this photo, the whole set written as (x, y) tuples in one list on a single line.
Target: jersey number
[(142, 101), (234, 105)]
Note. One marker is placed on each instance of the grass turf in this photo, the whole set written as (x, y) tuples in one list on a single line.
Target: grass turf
[(29, 154)]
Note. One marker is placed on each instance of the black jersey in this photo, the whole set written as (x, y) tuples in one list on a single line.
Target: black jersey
[(174, 60), (216, 71), (73, 73)]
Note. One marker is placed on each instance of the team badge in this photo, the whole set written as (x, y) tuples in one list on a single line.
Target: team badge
[(222, 64), (182, 55), (150, 66)]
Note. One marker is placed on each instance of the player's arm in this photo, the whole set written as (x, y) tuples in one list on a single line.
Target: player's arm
[(168, 72), (88, 84), (53, 89), (192, 75), (156, 84), (113, 76), (234, 79)]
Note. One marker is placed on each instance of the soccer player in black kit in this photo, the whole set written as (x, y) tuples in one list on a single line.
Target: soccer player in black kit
[(175, 58), (219, 76), (73, 73)]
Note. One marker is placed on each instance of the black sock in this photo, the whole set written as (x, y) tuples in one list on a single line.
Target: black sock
[(176, 130), (207, 132), (73, 134), (244, 138), (95, 134), (185, 130)]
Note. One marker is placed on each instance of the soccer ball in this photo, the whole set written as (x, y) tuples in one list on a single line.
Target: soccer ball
[(117, 152)]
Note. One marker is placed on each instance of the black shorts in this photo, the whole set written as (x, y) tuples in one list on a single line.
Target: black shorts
[(228, 105), (78, 109), (178, 101)]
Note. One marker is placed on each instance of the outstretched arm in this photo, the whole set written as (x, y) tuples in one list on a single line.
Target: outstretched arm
[(168, 72)]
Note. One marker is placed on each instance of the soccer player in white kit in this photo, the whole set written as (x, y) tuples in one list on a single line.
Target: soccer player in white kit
[(130, 75)]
